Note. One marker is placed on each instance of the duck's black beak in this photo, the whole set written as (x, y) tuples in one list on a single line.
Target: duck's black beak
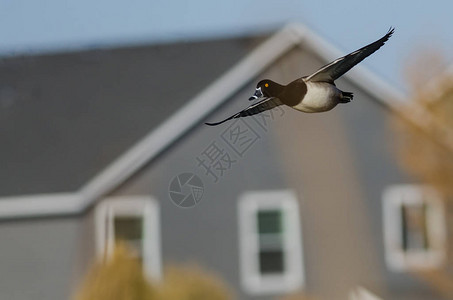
[(258, 94)]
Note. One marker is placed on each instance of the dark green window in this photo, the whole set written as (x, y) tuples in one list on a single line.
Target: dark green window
[(271, 234)]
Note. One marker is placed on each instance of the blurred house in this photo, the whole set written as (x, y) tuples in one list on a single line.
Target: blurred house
[(110, 144)]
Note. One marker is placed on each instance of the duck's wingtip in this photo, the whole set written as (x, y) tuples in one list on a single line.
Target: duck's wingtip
[(218, 123), (227, 119), (391, 31)]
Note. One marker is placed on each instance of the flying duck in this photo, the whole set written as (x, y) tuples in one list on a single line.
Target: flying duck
[(310, 94)]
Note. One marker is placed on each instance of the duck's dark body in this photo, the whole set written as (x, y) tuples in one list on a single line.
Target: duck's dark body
[(294, 92)]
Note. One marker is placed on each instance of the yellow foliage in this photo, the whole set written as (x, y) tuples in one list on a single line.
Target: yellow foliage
[(192, 283), (424, 151), (122, 278)]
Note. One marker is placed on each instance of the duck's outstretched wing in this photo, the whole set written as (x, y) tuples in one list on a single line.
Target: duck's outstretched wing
[(330, 72), (256, 108)]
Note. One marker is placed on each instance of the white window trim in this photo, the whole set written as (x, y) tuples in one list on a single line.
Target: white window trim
[(143, 206), (396, 258), (253, 282)]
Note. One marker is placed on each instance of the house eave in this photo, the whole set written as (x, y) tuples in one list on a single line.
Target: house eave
[(40, 205)]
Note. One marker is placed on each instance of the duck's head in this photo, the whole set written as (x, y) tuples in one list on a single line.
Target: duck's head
[(266, 88)]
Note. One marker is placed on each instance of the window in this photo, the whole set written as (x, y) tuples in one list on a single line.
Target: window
[(414, 228), (270, 241), (270, 244), (134, 221)]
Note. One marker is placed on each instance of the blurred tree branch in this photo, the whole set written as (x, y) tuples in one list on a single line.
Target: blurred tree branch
[(425, 142), (425, 133)]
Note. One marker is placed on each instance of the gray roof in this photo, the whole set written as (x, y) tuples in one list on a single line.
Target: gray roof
[(65, 117)]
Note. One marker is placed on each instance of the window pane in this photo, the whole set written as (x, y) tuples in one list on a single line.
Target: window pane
[(271, 241), (271, 262), (128, 228), (269, 221), (414, 227)]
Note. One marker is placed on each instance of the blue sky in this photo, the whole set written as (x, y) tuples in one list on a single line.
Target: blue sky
[(57, 25)]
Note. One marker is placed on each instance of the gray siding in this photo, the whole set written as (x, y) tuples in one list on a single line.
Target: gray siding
[(373, 145), (208, 233), (338, 163), (39, 258)]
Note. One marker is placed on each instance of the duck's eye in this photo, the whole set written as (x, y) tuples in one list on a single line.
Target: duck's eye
[(266, 84)]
